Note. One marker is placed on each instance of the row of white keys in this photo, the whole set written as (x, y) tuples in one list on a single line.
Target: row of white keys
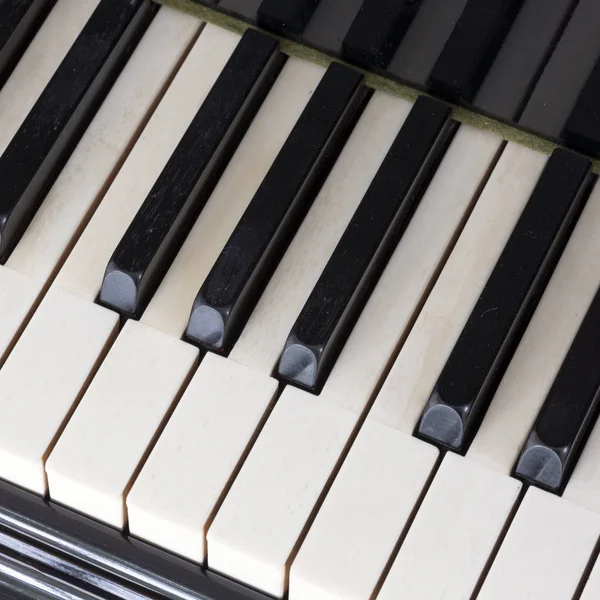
[(107, 439), (263, 517), (173, 501), (460, 521), (90, 169), (68, 335)]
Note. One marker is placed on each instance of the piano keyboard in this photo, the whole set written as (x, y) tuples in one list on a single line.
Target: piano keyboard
[(266, 331)]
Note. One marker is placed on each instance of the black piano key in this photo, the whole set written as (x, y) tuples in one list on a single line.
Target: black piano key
[(19, 20), (472, 47), (549, 453), (582, 130), (363, 250), (38, 150), (377, 31), (565, 74), (471, 374), (260, 239), (522, 58), (183, 187), (286, 17)]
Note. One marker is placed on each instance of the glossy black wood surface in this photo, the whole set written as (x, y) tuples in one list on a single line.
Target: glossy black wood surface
[(377, 31)]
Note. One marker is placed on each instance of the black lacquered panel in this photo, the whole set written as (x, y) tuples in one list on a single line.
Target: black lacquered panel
[(362, 252), (19, 20), (582, 130), (568, 410), (377, 31), (290, 16), (183, 187), (38, 150), (471, 374), (471, 48), (258, 242)]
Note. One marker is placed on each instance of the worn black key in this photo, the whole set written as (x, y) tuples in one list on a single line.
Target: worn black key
[(289, 16), (38, 150), (260, 239), (377, 31), (185, 184), (474, 368), (582, 130), (363, 250), (19, 20), (472, 47), (552, 446)]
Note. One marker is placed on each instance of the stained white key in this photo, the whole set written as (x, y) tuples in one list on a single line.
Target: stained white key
[(83, 270), (91, 167), (454, 533), (172, 501), (42, 379), (97, 455), (38, 63), (261, 542), (545, 552), (363, 515), (542, 350), (169, 309), (413, 376)]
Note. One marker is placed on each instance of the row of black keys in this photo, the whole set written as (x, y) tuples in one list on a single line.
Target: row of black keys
[(468, 55), (242, 271)]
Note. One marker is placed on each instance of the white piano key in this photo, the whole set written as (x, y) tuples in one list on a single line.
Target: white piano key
[(436, 330), (263, 338), (90, 169), (543, 348), (584, 485), (84, 268), (98, 454), (591, 591), (42, 378), (169, 309), (454, 533), (381, 326), (363, 515), (254, 531), (545, 552), (172, 501), (19, 296), (38, 63)]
